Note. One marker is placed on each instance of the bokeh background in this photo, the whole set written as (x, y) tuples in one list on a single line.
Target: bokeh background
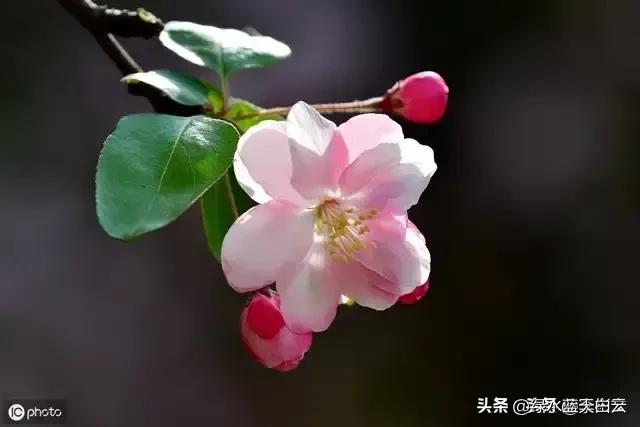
[(532, 220)]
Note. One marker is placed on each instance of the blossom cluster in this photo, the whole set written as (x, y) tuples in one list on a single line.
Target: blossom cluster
[(331, 223)]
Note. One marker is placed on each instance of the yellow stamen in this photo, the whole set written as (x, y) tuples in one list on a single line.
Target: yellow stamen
[(343, 229)]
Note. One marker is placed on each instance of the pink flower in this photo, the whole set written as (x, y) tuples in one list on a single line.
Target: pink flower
[(266, 337), (415, 295), (333, 214), (421, 98)]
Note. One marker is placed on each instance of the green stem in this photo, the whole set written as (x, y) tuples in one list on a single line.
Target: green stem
[(224, 86), (232, 198), (370, 105)]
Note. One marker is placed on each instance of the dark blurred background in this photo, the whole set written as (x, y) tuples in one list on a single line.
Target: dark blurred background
[(532, 220)]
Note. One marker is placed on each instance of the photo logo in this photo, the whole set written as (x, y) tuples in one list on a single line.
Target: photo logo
[(35, 411), (16, 412)]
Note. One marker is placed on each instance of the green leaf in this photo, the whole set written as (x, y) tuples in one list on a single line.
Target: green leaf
[(182, 88), (224, 50), (240, 108), (154, 166), (217, 211)]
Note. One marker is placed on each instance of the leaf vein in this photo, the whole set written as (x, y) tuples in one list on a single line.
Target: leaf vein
[(173, 150)]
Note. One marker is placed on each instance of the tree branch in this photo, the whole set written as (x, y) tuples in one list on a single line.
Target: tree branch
[(119, 22), (120, 57), (104, 24)]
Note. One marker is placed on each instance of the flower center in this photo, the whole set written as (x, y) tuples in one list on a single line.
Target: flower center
[(343, 229)]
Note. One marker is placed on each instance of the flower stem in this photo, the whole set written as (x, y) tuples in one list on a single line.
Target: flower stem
[(232, 198), (224, 85), (224, 89), (370, 105)]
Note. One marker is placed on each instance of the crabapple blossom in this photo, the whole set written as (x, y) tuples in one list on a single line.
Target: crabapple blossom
[(420, 98), (332, 214), (267, 338)]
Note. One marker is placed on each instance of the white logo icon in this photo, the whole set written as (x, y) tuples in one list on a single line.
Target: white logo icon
[(16, 412)]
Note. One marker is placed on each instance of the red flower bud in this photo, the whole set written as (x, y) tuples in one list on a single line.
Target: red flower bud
[(267, 338), (420, 98), (415, 295)]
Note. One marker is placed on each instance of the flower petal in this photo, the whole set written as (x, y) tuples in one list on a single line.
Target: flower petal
[(365, 131), (263, 241), (415, 229), (309, 297), (308, 128), (318, 154), (399, 256), (262, 164), (415, 242), (264, 317), (394, 173), (292, 345), (363, 285)]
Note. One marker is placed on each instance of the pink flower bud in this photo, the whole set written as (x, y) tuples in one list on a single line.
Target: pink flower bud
[(415, 295), (420, 98), (267, 338)]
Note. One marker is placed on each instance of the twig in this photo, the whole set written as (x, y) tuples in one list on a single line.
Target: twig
[(104, 24), (371, 105), (120, 57)]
